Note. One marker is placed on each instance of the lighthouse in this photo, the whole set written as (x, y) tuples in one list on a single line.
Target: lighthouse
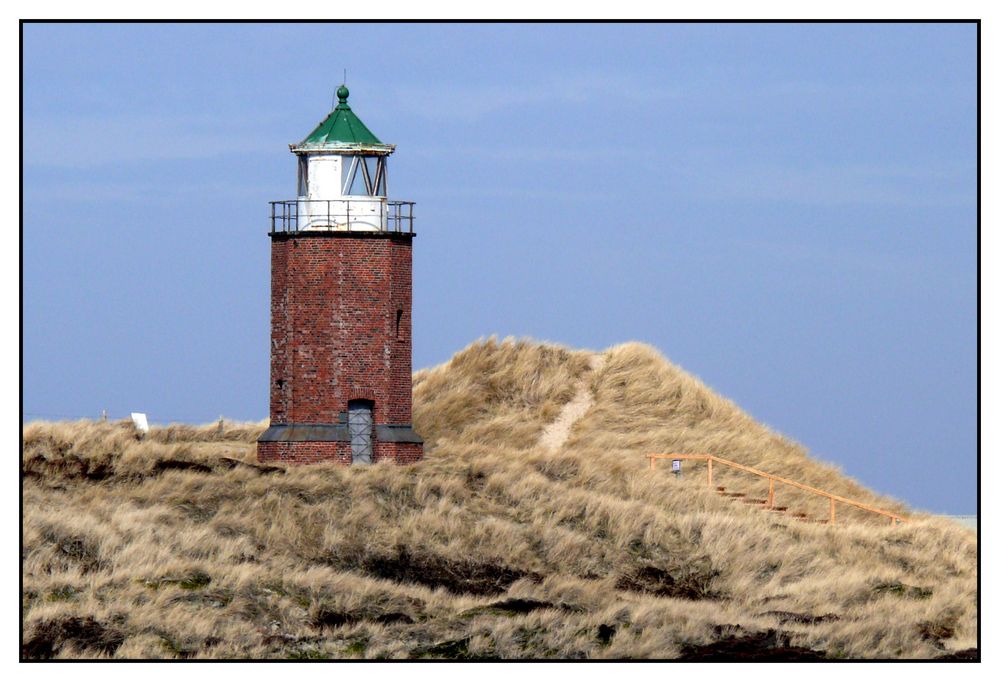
[(341, 305)]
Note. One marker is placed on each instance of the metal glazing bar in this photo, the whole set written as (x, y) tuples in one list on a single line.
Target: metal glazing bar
[(366, 176)]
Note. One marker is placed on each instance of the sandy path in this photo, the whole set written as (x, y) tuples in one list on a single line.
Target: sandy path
[(556, 433)]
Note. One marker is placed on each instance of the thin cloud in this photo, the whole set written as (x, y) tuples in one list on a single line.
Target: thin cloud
[(44, 192), (513, 193), (533, 154), (70, 142), (903, 267), (477, 101), (827, 185)]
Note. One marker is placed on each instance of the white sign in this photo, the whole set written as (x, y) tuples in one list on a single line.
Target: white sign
[(676, 465), (139, 420)]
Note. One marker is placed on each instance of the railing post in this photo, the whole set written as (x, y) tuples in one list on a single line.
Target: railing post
[(773, 479)]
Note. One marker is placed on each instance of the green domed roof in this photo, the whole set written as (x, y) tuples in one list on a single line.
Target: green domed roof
[(343, 130)]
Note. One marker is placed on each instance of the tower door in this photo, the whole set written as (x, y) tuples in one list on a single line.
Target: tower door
[(359, 425)]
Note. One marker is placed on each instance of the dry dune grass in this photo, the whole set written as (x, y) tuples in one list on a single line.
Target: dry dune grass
[(645, 404), (495, 392), (182, 546)]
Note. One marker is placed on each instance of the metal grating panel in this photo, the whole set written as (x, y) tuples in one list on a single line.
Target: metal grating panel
[(359, 426)]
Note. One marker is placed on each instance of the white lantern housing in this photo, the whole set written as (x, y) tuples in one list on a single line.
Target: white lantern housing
[(342, 176)]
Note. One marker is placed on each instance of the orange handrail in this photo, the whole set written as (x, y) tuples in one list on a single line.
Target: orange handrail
[(772, 478)]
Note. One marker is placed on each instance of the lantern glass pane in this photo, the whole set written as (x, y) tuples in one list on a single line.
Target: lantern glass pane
[(303, 176), (354, 181), (370, 166), (380, 188)]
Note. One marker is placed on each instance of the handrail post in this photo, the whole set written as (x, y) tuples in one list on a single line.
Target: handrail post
[(773, 479)]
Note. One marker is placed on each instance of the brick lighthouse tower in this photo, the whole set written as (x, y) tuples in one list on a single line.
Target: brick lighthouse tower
[(341, 264)]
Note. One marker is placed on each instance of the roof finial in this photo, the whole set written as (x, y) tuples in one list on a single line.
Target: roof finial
[(342, 94)]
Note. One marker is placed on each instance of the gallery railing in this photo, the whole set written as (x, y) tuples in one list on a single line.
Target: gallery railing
[(341, 215)]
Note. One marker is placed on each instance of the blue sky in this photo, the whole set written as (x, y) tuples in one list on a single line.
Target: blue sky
[(786, 211)]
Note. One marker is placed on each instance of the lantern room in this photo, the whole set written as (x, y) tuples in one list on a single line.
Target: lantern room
[(342, 180)]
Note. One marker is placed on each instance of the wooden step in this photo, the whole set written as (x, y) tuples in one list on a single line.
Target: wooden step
[(772, 478), (754, 500)]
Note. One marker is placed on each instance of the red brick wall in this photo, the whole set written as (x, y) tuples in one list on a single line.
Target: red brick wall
[(334, 335), (304, 453), (317, 452), (402, 453)]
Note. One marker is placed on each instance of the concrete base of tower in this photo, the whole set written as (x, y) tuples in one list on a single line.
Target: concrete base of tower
[(335, 452)]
